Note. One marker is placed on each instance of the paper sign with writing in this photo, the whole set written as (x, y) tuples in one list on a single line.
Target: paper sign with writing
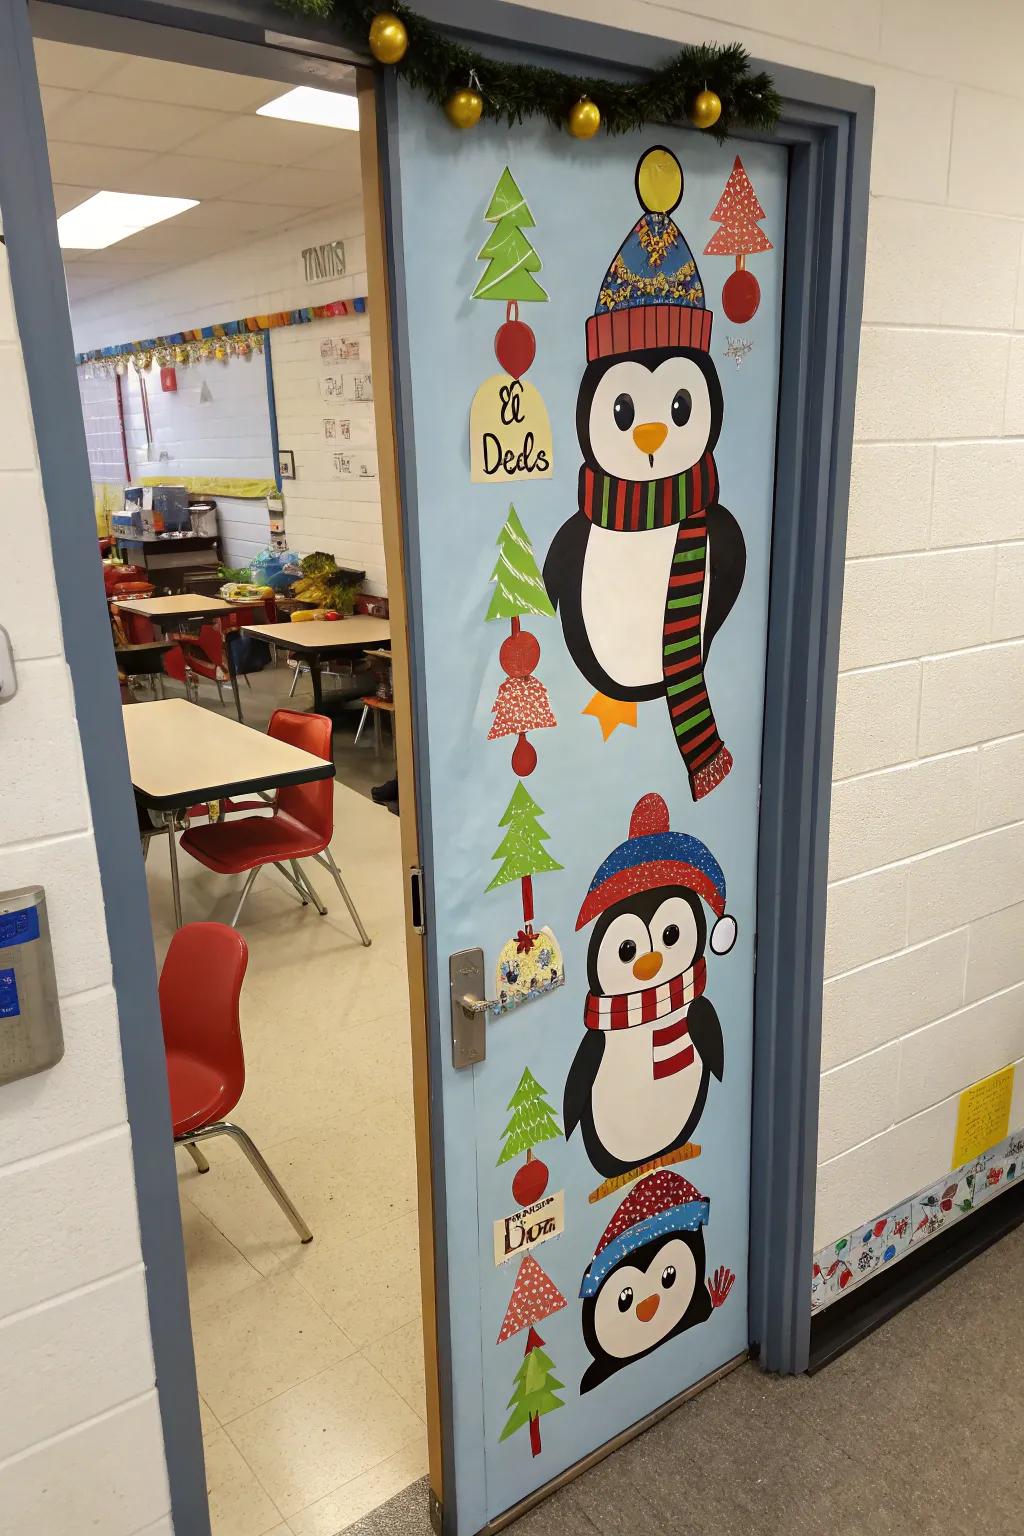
[(509, 432), (349, 466), (332, 387), (983, 1117), (339, 349), (527, 1228)]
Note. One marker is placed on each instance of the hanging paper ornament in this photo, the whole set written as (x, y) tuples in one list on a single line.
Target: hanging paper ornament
[(520, 652), (584, 118), (522, 705), (528, 967), (705, 109), (738, 213), (515, 345), (530, 1182), (388, 38), (464, 108)]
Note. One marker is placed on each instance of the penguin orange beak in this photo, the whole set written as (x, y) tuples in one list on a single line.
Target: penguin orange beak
[(649, 436), (646, 1309), (647, 965)]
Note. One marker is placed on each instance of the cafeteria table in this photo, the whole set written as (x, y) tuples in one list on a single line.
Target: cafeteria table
[(317, 639), (181, 607), (181, 755)]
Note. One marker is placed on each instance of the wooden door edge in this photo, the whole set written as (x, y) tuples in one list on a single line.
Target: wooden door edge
[(394, 559)]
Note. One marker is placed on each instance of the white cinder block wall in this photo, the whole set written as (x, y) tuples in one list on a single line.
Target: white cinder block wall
[(341, 516), (80, 1439), (925, 952)]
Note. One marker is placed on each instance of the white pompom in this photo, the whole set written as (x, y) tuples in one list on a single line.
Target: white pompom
[(723, 935)]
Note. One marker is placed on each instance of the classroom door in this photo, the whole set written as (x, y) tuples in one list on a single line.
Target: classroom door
[(588, 347)]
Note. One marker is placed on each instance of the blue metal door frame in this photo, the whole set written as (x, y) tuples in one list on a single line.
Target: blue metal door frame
[(826, 125)]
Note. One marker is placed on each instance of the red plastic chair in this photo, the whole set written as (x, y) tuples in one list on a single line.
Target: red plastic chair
[(301, 827), (200, 985)]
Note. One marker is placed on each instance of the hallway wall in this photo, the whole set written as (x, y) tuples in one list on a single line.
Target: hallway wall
[(925, 948), (81, 1445)]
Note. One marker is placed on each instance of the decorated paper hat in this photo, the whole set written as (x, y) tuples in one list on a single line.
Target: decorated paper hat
[(652, 295), (654, 856), (662, 1203)]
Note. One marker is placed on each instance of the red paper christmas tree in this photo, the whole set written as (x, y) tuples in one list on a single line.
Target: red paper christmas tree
[(737, 212), (522, 704), (534, 1297)]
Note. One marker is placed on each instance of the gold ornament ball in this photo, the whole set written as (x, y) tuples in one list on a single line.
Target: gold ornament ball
[(463, 108), (705, 109), (388, 38), (584, 119)]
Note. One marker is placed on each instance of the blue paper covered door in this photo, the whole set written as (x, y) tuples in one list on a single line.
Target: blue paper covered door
[(588, 428)]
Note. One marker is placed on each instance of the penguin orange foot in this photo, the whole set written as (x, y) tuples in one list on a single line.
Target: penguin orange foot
[(611, 713)]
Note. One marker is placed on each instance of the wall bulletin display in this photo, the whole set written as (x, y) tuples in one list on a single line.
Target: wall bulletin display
[(612, 1175)]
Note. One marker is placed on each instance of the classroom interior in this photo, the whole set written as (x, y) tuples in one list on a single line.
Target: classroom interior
[(223, 355)]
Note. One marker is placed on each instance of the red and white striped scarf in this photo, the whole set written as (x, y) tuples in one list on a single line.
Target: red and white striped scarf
[(646, 1007)]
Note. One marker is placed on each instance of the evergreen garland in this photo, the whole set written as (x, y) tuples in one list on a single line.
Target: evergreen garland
[(437, 65)]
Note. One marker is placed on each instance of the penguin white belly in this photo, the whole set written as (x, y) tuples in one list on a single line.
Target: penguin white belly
[(638, 1115), (625, 584)]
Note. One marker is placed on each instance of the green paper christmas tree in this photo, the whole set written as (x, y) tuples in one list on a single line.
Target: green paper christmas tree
[(522, 848), (534, 1394), (533, 1120), (519, 585), (511, 258)]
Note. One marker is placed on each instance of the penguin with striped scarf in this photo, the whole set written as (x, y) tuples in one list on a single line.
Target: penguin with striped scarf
[(647, 570)]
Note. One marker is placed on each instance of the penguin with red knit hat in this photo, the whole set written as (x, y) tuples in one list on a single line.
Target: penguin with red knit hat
[(639, 1082), (646, 1282)]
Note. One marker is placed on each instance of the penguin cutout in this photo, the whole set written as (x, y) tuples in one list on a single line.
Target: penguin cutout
[(646, 1283), (645, 573), (639, 1082)]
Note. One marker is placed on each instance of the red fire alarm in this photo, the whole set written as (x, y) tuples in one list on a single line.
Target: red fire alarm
[(168, 381)]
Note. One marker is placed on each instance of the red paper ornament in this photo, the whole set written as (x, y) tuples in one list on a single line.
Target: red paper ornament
[(741, 296), (519, 654), (522, 705), (524, 757), (515, 345), (530, 1182)]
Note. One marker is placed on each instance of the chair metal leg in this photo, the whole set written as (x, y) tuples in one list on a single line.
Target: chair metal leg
[(327, 858), (263, 1168), (245, 678), (160, 684), (362, 722), (300, 874), (175, 881), (246, 888), (378, 736), (197, 1157), (296, 885), (220, 691), (300, 667)]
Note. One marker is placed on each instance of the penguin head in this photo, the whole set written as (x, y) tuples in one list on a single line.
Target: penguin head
[(650, 414), (646, 939), (651, 1295)]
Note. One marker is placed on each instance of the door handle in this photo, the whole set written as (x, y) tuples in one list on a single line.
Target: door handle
[(470, 1006)]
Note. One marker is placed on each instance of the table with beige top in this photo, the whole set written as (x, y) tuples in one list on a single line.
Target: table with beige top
[(181, 755), (317, 639), (183, 607)]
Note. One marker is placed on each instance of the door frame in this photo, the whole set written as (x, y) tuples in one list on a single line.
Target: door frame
[(826, 126)]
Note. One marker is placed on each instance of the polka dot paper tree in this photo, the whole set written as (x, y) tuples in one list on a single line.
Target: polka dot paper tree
[(738, 212)]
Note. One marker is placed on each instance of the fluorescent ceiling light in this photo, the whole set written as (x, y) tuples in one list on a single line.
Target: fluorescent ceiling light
[(327, 109), (108, 217)]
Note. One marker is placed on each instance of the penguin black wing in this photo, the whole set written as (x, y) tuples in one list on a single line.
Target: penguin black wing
[(579, 1085), (727, 564), (706, 1034), (563, 578)]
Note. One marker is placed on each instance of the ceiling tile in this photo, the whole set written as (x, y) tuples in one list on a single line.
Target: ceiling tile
[(65, 197), (298, 187), (262, 141), (108, 120), (54, 97), (187, 86), (255, 218), (90, 165), (188, 176), (79, 69)]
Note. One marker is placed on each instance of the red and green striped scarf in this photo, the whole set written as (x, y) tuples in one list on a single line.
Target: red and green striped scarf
[(636, 506)]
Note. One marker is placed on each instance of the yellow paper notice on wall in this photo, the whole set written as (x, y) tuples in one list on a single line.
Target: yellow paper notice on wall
[(984, 1116)]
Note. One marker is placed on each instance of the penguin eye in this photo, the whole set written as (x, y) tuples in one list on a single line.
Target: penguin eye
[(626, 1298), (625, 413), (627, 950), (670, 935), (682, 405), (668, 1277)]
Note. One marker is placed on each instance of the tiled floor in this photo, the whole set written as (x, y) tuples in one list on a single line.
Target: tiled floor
[(309, 1358)]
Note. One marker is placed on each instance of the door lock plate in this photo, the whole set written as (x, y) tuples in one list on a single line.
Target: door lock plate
[(469, 1020)]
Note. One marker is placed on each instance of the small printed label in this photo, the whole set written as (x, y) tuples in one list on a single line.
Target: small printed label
[(9, 1005), (528, 1228), (19, 927)]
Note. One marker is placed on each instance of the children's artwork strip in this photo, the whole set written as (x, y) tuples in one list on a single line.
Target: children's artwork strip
[(841, 1266), (525, 1229)]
